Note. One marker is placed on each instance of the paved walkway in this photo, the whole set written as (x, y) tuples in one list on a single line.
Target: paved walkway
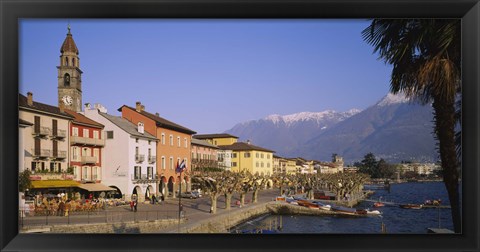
[(196, 210)]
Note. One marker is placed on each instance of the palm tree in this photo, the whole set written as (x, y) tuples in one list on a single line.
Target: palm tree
[(426, 57)]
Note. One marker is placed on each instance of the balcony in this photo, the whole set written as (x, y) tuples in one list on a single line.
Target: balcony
[(42, 132), (59, 155), (152, 159), (139, 158), (60, 134), (144, 178), (42, 153), (47, 175), (87, 141), (89, 160)]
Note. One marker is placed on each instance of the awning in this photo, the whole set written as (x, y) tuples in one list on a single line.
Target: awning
[(95, 187), (54, 184)]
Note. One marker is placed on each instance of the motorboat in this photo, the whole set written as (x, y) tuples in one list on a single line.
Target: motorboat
[(373, 212), (344, 210), (411, 206), (323, 206), (378, 204)]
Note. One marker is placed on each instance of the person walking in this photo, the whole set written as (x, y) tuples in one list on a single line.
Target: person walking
[(61, 209), (135, 205), (132, 203)]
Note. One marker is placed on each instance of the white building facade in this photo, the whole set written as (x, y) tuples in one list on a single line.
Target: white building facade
[(129, 155)]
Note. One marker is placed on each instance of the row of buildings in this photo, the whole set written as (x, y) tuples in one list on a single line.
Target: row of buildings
[(80, 146)]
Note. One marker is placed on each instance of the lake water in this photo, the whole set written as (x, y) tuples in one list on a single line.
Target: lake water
[(396, 219)]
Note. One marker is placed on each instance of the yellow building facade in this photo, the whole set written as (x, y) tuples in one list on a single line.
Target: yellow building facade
[(250, 158), (218, 139)]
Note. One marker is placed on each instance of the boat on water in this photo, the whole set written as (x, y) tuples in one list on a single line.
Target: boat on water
[(378, 204), (435, 202), (373, 212), (307, 203), (323, 206), (344, 210), (411, 206)]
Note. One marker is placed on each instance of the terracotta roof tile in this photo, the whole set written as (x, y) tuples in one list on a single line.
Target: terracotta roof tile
[(162, 122), (208, 136), (69, 45), (22, 102), (79, 118), (241, 146)]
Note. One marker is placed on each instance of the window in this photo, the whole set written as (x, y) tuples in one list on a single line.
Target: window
[(268, 156), (66, 61), (268, 165), (75, 153), (261, 155), (261, 164), (149, 152), (136, 140), (74, 131), (171, 163), (73, 62), (256, 155), (256, 164), (163, 163), (136, 150), (66, 80), (96, 134), (246, 154), (38, 166), (75, 171), (150, 172), (178, 141), (86, 133), (163, 138), (149, 142), (234, 164), (96, 153), (234, 155), (185, 142), (85, 152), (94, 173), (138, 172), (110, 134), (171, 140), (85, 173)]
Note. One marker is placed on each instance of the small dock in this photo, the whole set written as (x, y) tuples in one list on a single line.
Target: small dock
[(389, 203)]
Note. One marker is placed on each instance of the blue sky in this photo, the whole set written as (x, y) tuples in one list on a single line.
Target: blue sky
[(208, 75)]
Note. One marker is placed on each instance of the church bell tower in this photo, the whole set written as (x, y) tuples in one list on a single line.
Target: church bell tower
[(69, 75)]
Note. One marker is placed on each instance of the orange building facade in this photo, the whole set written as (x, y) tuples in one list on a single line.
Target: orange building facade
[(173, 146)]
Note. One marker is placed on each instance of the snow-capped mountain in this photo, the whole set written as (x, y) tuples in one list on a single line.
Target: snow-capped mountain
[(318, 117), (391, 99), (394, 128), (284, 133)]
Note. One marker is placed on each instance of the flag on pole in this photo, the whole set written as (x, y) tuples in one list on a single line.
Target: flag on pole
[(180, 167)]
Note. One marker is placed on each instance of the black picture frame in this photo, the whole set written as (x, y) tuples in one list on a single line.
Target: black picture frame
[(11, 11)]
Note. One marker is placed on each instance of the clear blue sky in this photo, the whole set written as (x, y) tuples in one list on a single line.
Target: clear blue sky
[(208, 75)]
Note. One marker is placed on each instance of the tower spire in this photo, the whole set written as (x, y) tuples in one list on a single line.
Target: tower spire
[(68, 27)]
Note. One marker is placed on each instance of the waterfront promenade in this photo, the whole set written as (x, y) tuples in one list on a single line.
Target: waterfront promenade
[(196, 211)]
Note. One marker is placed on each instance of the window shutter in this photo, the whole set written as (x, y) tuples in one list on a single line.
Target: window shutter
[(55, 148), (37, 124), (37, 147), (54, 127)]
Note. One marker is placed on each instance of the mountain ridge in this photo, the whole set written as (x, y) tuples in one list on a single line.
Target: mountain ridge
[(394, 128)]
